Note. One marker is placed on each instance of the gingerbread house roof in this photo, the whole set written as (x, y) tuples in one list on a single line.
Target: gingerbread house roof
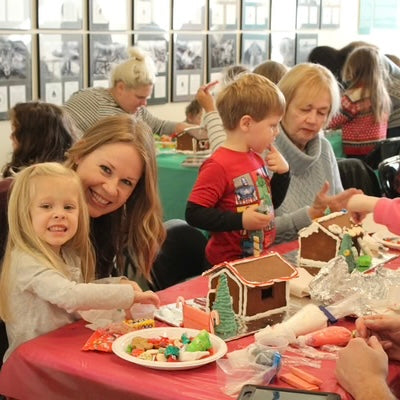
[(196, 132), (258, 271)]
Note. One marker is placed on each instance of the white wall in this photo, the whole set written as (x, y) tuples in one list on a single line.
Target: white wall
[(335, 38)]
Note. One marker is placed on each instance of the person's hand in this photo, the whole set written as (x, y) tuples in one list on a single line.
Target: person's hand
[(386, 328), (254, 220), (360, 205), (335, 203), (205, 98), (276, 162), (362, 368), (147, 297), (134, 285)]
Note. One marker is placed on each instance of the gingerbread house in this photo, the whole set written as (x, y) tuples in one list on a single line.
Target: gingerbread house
[(259, 289), (193, 139), (320, 241)]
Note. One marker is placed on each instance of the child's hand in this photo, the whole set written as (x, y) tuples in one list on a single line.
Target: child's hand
[(147, 297), (134, 285), (205, 98), (276, 162), (253, 220)]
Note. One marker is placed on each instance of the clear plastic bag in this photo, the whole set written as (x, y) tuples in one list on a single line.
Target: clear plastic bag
[(256, 364)]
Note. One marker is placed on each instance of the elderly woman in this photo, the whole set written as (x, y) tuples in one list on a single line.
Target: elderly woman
[(312, 98), (132, 83)]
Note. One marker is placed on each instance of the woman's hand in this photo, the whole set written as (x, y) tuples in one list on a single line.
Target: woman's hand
[(335, 203), (276, 162), (386, 328)]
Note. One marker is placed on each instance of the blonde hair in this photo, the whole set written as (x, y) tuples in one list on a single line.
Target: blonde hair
[(137, 227), (363, 68), (22, 235), (250, 94), (138, 70), (307, 80), (272, 70)]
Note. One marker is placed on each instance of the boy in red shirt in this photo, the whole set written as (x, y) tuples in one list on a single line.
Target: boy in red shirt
[(232, 197)]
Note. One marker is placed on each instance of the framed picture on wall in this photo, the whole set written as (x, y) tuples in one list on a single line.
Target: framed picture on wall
[(151, 15), (157, 46), (189, 16), (255, 14), (283, 15), (330, 14), (308, 14), (283, 47), (304, 44), (254, 49), (106, 15), (15, 71), (222, 50), (188, 65), (15, 14), (222, 14), (60, 66), (105, 50), (60, 14)]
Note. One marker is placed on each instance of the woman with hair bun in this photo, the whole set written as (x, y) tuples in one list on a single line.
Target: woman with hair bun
[(132, 82)]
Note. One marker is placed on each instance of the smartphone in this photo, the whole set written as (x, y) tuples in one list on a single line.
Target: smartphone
[(256, 392)]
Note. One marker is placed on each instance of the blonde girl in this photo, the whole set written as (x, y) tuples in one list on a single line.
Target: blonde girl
[(49, 261)]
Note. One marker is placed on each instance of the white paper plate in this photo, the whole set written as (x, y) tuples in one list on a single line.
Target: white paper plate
[(383, 237), (120, 344)]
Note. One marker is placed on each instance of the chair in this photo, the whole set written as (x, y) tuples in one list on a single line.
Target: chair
[(383, 150), (182, 255), (355, 173), (389, 176)]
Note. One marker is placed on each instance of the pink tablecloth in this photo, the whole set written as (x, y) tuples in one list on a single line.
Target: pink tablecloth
[(54, 367)]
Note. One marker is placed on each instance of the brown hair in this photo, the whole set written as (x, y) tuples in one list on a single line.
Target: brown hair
[(137, 228), (43, 133), (250, 94)]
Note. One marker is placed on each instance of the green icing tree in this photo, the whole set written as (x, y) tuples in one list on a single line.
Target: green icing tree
[(346, 251), (227, 326)]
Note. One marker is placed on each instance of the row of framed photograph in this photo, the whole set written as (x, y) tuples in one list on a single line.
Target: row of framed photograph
[(106, 15), (195, 57)]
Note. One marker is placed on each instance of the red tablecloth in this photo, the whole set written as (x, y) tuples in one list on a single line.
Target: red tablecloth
[(54, 367)]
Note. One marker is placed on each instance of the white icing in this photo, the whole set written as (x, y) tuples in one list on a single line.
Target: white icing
[(309, 230), (335, 228)]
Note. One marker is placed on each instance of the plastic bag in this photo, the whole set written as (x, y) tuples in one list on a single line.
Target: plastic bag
[(256, 364)]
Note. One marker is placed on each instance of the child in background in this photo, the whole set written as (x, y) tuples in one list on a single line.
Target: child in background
[(194, 113), (272, 70), (365, 103), (232, 196), (49, 260)]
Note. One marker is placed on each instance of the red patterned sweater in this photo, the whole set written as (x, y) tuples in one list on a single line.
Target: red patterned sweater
[(360, 132)]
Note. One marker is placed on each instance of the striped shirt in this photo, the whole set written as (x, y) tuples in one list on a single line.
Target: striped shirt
[(87, 106)]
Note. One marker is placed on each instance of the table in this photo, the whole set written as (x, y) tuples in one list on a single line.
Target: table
[(176, 181), (52, 366)]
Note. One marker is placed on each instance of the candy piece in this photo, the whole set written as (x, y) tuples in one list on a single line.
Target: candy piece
[(306, 376), (297, 382), (201, 342), (171, 351)]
